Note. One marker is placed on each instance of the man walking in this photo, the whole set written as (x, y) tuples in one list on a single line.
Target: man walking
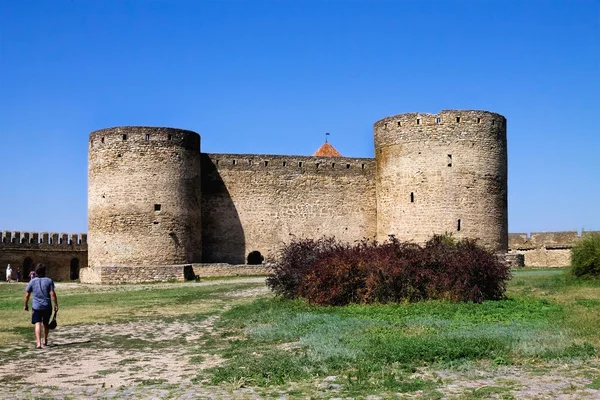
[(43, 290)]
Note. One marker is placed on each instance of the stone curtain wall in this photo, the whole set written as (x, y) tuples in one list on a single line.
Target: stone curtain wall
[(23, 250), (545, 249), (259, 202), (442, 173), (144, 197)]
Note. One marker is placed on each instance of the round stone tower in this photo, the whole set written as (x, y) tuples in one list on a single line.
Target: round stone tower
[(143, 201), (442, 173)]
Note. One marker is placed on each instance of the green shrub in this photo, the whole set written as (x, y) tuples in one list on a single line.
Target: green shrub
[(585, 257)]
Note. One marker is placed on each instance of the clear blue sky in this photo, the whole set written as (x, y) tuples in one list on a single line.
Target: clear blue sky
[(273, 76)]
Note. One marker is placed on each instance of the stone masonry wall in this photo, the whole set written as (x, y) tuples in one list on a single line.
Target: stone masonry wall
[(259, 202), (545, 249), (64, 254), (442, 173)]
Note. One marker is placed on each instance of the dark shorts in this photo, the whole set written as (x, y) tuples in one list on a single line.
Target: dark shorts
[(41, 316)]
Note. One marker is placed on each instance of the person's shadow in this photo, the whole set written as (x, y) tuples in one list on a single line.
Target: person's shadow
[(73, 343)]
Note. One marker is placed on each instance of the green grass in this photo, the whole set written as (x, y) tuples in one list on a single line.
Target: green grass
[(293, 341), (294, 347), (116, 304)]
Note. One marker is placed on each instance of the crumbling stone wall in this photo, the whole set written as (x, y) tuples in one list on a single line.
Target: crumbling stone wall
[(545, 249), (64, 254), (442, 173)]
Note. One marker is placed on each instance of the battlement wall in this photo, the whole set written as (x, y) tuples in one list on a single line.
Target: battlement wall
[(10, 239), (546, 249), (63, 253), (415, 127), (140, 138), (260, 202), (285, 164)]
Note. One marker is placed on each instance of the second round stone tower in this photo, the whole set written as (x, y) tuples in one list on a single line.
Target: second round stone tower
[(144, 194), (442, 173)]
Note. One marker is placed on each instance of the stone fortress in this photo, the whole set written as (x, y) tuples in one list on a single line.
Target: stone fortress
[(160, 209), (157, 203)]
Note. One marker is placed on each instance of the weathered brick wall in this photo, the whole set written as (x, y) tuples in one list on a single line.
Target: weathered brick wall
[(60, 253), (442, 173), (545, 249), (144, 197), (259, 202)]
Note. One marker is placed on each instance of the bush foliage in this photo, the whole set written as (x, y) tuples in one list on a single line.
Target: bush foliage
[(329, 272), (585, 257)]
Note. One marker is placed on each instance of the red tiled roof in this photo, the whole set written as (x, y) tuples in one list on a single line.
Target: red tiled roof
[(327, 150)]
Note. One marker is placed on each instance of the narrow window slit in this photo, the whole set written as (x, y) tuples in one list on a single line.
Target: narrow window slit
[(147, 137), (124, 137), (157, 207), (300, 164), (457, 119), (458, 226), (418, 121), (347, 166), (284, 163), (449, 160), (266, 163), (412, 197), (438, 120)]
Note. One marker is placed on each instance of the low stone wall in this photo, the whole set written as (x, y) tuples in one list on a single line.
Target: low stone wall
[(164, 273), (513, 260), (544, 257), (223, 269), (545, 249)]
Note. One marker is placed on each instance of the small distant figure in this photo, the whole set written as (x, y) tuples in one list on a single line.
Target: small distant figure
[(31, 275), (8, 273), (18, 276)]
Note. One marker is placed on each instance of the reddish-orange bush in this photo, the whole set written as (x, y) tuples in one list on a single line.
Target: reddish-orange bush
[(331, 273)]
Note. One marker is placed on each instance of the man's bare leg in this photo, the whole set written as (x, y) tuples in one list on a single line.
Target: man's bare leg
[(38, 335), (46, 330)]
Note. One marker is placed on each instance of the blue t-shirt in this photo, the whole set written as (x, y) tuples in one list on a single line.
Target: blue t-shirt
[(41, 288)]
